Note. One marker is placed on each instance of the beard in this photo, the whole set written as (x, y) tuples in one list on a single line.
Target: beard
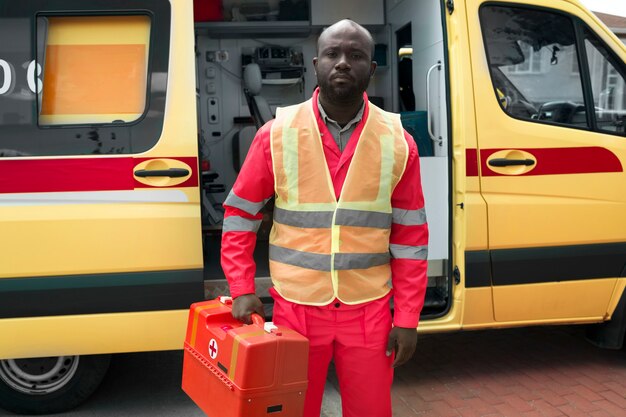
[(345, 93)]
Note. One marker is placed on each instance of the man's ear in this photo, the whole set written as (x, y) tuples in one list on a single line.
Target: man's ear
[(315, 65), (373, 68)]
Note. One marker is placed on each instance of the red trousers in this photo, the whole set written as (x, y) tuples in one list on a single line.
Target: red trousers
[(356, 339)]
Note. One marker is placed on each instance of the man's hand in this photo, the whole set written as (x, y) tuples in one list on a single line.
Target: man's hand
[(403, 341), (245, 305)]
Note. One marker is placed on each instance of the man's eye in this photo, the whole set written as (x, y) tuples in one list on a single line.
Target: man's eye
[(331, 54), (357, 56)]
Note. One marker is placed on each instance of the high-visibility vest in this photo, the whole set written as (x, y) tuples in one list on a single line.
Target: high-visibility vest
[(321, 248)]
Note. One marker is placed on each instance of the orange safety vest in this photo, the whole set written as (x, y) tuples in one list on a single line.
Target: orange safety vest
[(321, 248)]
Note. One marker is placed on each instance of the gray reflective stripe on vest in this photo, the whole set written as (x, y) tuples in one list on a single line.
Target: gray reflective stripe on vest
[(360, 260), (311, 219), (240, 224), (320, 262), (409, 217), (408, 252), (248, 206), (293, 257), (348, 217)]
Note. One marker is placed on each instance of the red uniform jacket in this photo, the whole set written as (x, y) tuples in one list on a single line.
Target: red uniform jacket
[(255, 184)]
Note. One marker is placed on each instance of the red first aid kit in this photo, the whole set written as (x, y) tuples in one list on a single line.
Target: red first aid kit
[(235, 370)]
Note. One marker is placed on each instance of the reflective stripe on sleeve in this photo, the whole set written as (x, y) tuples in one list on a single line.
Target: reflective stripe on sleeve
[(293, 257), (362, 218), (345, 261), (311, 219), (409, 217), (240, 224), (408, 252), (248, 206)]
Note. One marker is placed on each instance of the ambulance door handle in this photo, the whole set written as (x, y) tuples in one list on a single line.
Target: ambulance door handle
[(505, 162), (172, 172), (437, 139)]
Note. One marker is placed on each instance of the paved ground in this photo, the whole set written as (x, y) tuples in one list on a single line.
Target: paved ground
[(550, 371)]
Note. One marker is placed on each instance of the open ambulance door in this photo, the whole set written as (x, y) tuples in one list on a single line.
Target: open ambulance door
[(550, 99), (99, 198)]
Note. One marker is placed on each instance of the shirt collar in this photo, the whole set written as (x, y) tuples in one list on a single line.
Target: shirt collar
[(327, 120)]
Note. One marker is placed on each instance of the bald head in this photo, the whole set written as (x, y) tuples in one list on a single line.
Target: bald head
[(344, 64), (342, 26)]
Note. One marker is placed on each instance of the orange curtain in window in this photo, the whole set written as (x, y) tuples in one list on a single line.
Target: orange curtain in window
[(95, 69)]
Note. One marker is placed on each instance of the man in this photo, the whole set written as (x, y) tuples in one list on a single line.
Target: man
[(349, 216)]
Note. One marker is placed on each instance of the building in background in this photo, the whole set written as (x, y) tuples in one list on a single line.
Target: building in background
[(616, 23)]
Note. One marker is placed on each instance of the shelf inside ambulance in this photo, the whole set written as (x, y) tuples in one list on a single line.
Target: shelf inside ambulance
[(281, 81)]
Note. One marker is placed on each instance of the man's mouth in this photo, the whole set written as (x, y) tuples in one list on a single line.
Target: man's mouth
[(342, 77)]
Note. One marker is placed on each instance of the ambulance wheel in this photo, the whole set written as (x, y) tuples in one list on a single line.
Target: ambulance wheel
[(49, 385)]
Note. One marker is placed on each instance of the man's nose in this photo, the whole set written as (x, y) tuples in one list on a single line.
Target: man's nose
[(342, 63)]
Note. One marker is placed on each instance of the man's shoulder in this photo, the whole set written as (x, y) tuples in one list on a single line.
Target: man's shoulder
[(267, 126), (407, 136), (264, 131)]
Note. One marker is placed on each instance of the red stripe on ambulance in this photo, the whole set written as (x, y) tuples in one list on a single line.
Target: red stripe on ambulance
[(552, 161), (78, 174)]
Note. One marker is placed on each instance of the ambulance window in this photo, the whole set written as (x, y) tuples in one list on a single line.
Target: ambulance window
[(607, 85), (83, 78), (94, 69), (534, 64)]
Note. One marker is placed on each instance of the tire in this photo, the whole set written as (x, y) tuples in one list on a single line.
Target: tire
[(49, 385)]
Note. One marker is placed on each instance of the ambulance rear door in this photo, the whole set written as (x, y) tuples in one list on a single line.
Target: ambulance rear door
[(550, 101), (99, 199)]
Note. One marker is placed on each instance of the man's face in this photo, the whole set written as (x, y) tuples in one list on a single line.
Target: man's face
[(344, 65)]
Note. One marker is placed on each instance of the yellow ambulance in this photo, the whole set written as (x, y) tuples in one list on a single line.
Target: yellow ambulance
[(123, 124)]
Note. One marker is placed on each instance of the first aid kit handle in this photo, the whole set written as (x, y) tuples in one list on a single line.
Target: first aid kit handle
[(257, 319), (172, 172)]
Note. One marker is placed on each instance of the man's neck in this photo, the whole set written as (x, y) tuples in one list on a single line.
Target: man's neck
[(342, 113)]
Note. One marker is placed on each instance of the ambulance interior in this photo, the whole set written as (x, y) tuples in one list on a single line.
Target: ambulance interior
[(256, 55)]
